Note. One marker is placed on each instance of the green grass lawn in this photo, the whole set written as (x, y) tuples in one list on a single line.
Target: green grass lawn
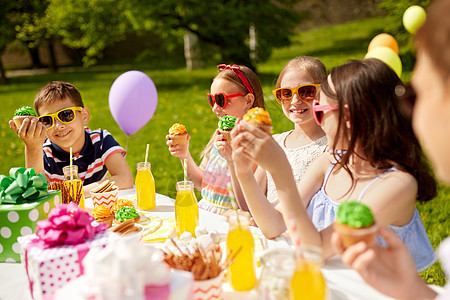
[(182, 98)]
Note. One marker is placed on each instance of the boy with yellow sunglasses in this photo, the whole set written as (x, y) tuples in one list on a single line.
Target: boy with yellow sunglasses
[(61, 126)]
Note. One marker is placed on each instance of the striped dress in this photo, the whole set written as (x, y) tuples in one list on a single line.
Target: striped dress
[(99, 145), (216, 177)]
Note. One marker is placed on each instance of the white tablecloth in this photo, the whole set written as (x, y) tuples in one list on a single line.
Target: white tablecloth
[(342, 282)]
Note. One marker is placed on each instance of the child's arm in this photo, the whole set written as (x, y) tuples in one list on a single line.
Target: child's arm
[(224, 149), (32, 133), (119, 170), (195, 173), (253, 143)]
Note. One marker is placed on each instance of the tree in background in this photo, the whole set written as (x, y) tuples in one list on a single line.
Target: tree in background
[(222, 27), (7, 33)]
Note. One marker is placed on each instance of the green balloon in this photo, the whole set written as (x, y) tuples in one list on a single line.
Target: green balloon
[(413, 17), (388, 56)]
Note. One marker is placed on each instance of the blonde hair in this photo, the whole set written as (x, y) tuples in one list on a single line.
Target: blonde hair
[(234, 79), (315, 68)]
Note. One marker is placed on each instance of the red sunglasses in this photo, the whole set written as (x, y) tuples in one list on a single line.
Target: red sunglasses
[(221, 98), (320, 110)]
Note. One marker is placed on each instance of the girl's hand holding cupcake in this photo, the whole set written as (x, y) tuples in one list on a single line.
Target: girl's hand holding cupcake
[(178, 141), (257, 145)]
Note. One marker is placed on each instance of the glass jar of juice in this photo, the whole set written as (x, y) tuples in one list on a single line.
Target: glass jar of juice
[(186, 208), (307, 281), (278, 265), (145, 186), (241, 273), (73, 186)]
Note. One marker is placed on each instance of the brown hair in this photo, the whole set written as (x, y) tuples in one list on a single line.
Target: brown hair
[(55, 91), (315, 68), (434, 36), (230, 76), (383, 134)]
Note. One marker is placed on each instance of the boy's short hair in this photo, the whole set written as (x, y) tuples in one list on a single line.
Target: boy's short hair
[(57, 90)]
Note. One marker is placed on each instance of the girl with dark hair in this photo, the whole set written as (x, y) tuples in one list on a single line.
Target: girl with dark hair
[(374, 158), (390, 269)]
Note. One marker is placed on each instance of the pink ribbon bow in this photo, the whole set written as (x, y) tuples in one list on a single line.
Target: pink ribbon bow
[(67, 224), (222, 67)]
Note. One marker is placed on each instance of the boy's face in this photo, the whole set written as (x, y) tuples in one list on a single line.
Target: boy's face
[(66, 135)]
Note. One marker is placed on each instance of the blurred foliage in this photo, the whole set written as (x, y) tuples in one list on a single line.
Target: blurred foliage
[(221, 26)]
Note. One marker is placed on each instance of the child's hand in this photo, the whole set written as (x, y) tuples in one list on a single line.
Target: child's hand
[(32, 132), (180, 150), (254, 144), (223, 146)]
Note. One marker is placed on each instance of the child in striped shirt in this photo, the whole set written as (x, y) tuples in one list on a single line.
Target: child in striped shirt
[(62, 119), (234, 90)]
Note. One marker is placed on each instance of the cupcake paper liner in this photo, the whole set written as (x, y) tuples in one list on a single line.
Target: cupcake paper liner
[(353, 235)]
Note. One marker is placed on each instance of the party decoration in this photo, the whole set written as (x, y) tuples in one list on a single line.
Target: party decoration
[(388, 56), (383, 39), (67, 224), (22, 185), (132, 101), (413, 17)]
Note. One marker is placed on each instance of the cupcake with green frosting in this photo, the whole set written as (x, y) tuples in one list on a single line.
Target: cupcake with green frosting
[(226, 124), (22, 113), (354, 223), (125, 213)]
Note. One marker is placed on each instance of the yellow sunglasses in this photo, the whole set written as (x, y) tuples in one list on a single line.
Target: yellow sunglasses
[(306, 92), (66, 116)]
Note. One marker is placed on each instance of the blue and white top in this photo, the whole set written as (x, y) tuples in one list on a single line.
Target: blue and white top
[(99, 145), (322, 210)]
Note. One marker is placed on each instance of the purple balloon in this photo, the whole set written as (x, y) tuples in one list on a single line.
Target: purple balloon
[(132, 101)]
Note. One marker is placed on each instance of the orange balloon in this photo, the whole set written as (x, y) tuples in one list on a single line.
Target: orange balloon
[(383, 39)]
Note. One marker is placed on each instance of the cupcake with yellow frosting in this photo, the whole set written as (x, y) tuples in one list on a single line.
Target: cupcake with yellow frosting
[(125, 213), (102, 214), (259, 117), (121, 203), (178, 134), (355, 222)]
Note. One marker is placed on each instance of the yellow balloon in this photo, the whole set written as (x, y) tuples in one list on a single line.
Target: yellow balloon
[(413, 17), (388, 56), (383, 39)]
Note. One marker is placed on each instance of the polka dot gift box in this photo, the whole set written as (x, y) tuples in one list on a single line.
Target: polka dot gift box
[(53, 256), (24, 200)]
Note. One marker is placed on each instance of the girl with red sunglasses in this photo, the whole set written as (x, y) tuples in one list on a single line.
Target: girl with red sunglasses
[(234, 91), (374, 158)]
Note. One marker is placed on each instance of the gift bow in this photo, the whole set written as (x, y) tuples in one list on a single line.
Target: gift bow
[(67, 224), (22, 185)]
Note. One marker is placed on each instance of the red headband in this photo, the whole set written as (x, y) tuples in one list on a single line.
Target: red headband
[(238, 72)]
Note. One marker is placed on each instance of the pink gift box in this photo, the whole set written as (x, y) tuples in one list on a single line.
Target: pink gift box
[(50, 269)]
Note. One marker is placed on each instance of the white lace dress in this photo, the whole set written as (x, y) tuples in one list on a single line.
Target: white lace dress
[(300, 158)]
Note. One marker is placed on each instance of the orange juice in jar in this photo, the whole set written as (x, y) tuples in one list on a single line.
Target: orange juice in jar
[(186, 208), (73, 185), (145, 187), (307, 281), (241, 273)]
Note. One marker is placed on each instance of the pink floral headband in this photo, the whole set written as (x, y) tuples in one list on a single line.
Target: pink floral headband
[(237, 70)]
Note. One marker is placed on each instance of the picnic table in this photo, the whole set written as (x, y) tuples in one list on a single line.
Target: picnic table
[(342, 282)]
